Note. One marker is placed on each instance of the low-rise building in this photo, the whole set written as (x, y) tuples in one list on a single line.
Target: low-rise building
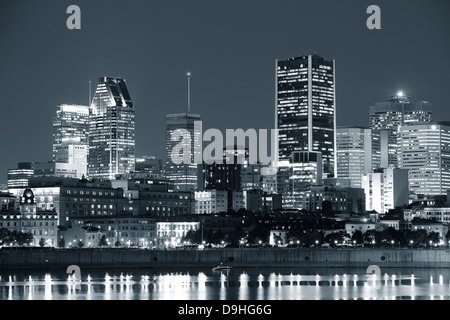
[(81, 236), (43, 225), (169, 234), (124, 230), (430, 226)]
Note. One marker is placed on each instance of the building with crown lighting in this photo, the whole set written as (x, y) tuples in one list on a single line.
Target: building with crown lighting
[(111, 130), (389, 116)]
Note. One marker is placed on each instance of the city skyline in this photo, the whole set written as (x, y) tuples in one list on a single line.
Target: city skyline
[(219, 94)]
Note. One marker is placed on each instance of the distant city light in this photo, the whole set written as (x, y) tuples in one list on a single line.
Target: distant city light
[(400, 94)]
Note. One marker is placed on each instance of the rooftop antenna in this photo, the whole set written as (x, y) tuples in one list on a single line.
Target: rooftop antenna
[(189, 91)]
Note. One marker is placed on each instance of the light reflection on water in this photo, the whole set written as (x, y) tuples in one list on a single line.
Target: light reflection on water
[(234, 284)]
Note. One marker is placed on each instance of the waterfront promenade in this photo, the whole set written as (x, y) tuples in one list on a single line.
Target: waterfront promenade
[(37, 258)]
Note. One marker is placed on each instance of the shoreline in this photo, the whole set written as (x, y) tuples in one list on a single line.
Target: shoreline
[(38, 258)]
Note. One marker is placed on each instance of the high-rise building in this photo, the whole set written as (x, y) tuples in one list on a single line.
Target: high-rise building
[(185, 174), (297, 176), (389, 116), (71, 138), (111, 130), (306, 108), (70, 127), (358, 152), (425, 152)]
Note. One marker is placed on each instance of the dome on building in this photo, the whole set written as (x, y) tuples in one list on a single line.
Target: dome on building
[(27, 197)]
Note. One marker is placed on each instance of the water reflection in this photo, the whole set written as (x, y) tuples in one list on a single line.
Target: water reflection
[(235, 284)]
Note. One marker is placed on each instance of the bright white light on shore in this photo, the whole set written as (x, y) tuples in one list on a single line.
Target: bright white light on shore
[(188, 74), (400, 94)]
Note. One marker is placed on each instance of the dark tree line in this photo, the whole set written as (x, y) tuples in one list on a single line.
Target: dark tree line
[(14, 237), (300, 237)]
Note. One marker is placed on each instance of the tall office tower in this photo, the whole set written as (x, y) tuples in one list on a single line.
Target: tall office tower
[(358, 152), (389, 116), (184, 175), (71, 137), (425, 152), (111, 130), (386, 189), (70, 127), (306, 108)]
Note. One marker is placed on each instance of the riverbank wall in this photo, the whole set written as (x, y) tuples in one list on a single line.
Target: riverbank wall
[(245, 257)]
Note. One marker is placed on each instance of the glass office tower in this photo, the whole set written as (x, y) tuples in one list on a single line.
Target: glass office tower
[(184, 175), (111, 130), (71, 138), (306, 108), (70, 127), (390, 116), (358, 152), (425, 152)]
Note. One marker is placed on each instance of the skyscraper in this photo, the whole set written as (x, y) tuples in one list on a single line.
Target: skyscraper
[(306, 108), (70, 127), (389, 116), (111, 130), (358, 152), (184, 175), (71, 137), (425, 152)]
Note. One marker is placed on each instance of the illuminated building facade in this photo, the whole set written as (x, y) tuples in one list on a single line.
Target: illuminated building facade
[(297, 176), (19, 176), (111, 130), (42, 224), (211, 201), (358, 152), (170, 233), (389, 117), (125, 230), (184, 175), (306, 108), (425, 152), (386, 189), (73, 198), (71, 137)]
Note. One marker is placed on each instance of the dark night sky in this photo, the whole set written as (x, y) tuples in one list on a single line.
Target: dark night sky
[(230, 48)]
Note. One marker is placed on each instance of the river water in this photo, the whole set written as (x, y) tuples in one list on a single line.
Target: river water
[(233, 284)]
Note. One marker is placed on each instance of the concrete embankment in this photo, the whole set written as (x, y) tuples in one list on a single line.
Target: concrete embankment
[(264, 257)]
